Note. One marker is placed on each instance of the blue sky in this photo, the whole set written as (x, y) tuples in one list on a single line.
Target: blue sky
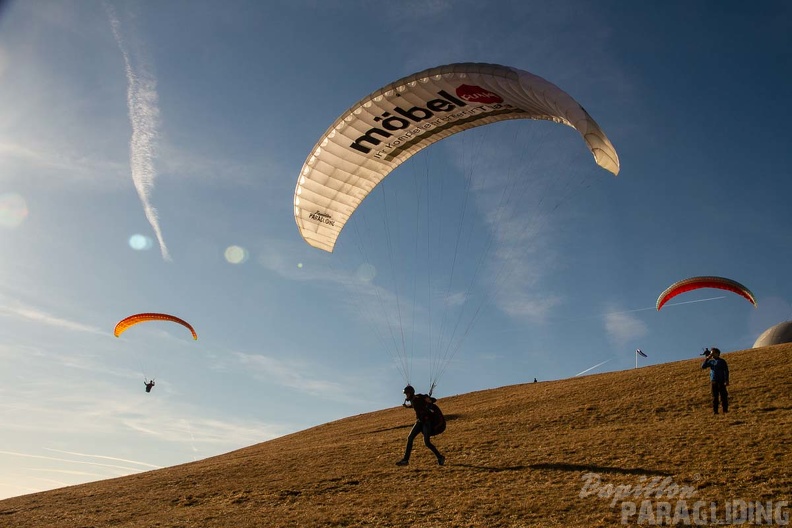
[(148, 158)]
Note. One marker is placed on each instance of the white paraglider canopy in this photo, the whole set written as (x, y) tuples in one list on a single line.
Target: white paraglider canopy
[(384, 129)]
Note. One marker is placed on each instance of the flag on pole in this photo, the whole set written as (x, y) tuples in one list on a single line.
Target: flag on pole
[(638, 352)]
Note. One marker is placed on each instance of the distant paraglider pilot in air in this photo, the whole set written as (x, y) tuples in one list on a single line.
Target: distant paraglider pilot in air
[(429, 422), (149, 385), (719, 377)]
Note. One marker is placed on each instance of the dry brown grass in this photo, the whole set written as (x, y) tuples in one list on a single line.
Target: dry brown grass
[(516, 457)]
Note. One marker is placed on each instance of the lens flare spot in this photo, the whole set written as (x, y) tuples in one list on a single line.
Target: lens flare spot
[(299, 265), (366, 273), (13, 210), (236, 254), (140, 242)]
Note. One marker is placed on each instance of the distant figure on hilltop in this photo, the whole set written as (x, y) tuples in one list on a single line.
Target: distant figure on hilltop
[(429, 421), (149, 385), (719, 377)]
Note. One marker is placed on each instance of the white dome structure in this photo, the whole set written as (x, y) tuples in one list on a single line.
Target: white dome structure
[(775, 335)]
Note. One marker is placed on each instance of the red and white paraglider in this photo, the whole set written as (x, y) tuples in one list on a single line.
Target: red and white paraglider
[(695, 283)]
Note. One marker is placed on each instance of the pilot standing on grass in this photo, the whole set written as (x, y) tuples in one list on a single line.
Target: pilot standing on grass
[(719, 377), (423, 405)]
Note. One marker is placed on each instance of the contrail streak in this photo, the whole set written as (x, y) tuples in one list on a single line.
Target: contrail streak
[(669, 304), (696, 301), (103, 457), (56, 459), (144, 116), (592, 368), (599, 316)]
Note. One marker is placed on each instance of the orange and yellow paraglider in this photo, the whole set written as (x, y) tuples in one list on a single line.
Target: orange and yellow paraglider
[(132, 320)]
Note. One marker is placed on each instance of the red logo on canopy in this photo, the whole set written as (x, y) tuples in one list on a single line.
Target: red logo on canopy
[(476, 94)]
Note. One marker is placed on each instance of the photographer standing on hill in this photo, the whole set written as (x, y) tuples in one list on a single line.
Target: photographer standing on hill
[(719, 377)]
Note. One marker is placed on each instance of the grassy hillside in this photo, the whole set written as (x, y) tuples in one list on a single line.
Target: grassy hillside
[(516, 456)]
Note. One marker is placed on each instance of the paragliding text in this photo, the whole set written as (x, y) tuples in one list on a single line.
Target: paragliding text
[(322, 217)]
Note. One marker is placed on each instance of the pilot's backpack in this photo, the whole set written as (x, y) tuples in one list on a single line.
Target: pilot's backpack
[(437, 419)]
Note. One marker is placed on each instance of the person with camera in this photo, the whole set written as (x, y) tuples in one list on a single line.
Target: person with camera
[(719, 378)]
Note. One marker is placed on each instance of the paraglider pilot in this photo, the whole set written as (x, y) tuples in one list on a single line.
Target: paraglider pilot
[(424, 408), (149, 385), (719, 377)]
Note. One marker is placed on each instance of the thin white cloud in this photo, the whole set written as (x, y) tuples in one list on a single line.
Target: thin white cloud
[(33, 156), (57, 483), (142, 100), (367, 300), (227, 434), (58, 459), (289, 374), (524, 203), (622, 327), (46, 159), (527, 306), (102, 457), (66, 472), (17, 489), (47, 406), (21, 311)]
